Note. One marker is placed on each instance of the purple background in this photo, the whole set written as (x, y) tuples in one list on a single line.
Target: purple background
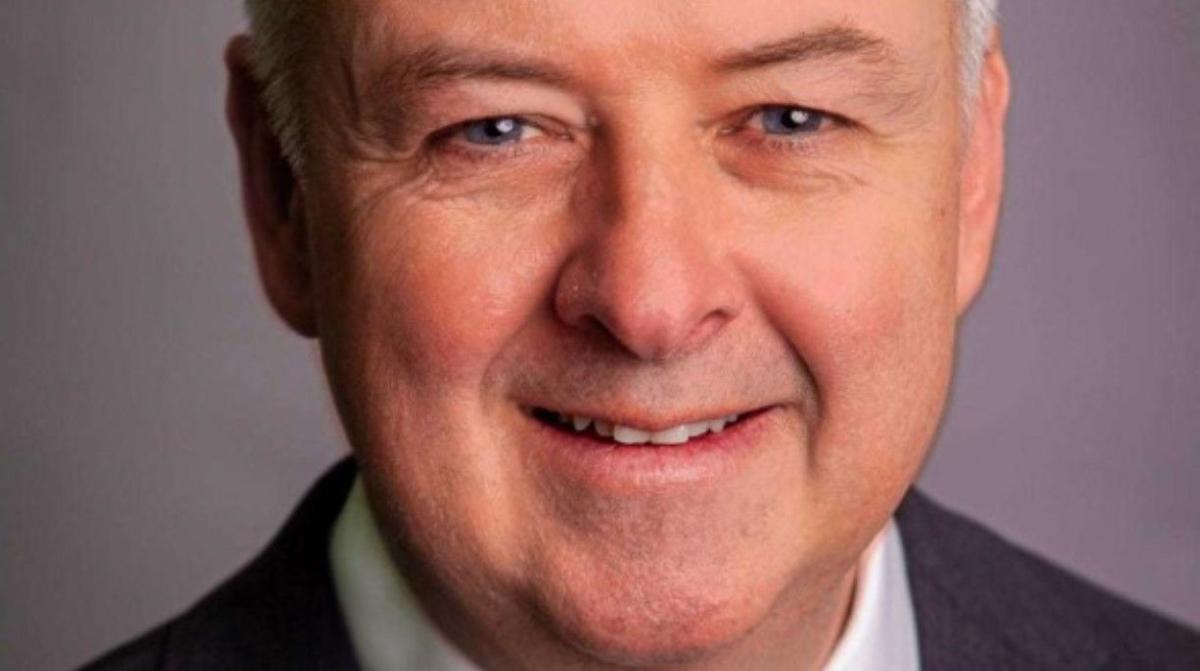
[(157, 423)]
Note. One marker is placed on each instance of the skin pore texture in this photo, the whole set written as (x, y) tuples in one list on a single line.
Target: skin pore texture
[(651, 214)]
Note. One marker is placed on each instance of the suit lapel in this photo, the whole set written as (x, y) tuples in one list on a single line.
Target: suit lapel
[(281, 611), (978, 603)]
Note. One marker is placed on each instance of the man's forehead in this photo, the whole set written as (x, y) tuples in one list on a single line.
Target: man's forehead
[(617, 32)]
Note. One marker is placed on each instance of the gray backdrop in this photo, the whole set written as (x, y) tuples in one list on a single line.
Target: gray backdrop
[(157, 423)]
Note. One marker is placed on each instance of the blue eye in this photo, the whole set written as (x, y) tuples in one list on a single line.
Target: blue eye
[(494, 130), (790, 120)]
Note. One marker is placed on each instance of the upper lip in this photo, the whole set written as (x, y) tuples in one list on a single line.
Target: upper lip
[(646, 421)]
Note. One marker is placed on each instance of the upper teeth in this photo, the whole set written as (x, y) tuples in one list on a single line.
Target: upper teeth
[(628, 435)]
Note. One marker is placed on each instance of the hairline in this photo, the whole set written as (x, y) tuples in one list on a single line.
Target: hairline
[(274, 25)]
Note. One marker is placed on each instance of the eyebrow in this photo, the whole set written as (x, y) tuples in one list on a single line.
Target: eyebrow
[(408, 73), (836, 41), (436, 64)]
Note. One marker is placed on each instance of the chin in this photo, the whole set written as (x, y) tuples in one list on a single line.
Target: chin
[(638, 642), (660, 625)]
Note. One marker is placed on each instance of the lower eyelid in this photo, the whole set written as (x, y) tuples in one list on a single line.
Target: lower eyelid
[(482, 151), (780, 142), (802, 144), (510, 154)]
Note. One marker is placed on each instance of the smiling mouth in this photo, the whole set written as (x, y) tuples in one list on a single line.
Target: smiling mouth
[(612, 432)]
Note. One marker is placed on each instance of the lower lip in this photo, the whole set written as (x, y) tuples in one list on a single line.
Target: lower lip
[(584, 459)]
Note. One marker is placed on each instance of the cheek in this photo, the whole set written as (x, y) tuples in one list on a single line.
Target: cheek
[(440, 287), (418, 299), (863, 288)]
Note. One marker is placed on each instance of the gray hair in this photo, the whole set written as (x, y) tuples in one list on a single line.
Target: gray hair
[(275, 24), (975, 27)]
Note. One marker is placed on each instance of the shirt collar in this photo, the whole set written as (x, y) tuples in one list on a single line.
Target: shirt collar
[(389, 631), (881, 632)]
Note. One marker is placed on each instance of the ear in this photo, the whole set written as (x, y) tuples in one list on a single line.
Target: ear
[(982, 176), (271, 197)]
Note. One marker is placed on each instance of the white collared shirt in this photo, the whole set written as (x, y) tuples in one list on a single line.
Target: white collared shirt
[(389, 632)]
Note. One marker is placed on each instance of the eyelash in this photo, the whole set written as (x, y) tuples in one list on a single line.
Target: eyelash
[(803, 143), (444, 140)]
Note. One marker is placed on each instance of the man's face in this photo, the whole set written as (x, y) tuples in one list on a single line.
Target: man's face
[(643, 214)]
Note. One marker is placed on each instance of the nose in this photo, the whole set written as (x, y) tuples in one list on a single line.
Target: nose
[(655, 267)]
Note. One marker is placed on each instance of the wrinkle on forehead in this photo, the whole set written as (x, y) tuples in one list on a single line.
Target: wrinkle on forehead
[(632, 39), (614, 33), (382, 50)]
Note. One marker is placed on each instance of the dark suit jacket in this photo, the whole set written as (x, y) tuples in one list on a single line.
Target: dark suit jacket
[(980, 603)]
